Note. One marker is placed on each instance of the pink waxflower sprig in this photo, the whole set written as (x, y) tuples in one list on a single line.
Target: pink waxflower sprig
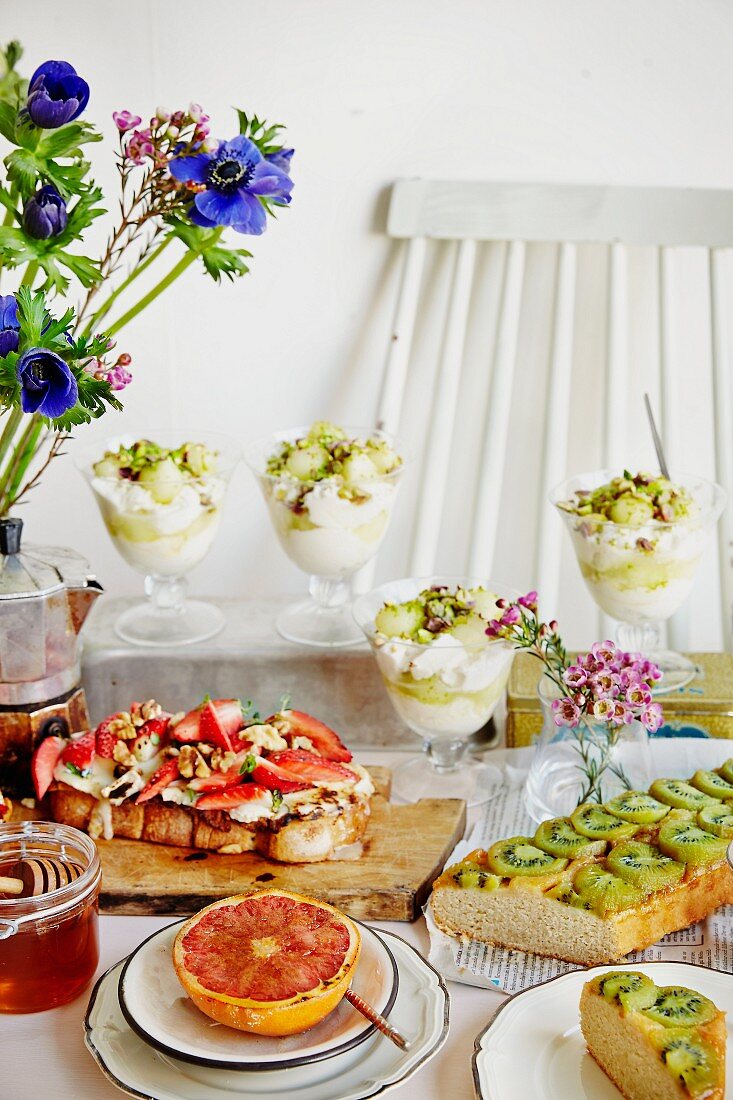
[(602, 690)]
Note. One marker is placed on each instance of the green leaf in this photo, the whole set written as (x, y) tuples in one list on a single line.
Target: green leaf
[(67, 140), (32, 315), (8, 115), (249, 765), (218, 261), (86, 270), (22, 170), (95, 395)]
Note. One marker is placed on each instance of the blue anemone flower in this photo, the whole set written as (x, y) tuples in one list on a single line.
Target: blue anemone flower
[(235, 177), (56, 94), (45, 214), (9, 325), (47, 384)]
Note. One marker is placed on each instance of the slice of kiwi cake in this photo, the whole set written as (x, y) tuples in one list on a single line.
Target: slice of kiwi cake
[(655, 1043), (604, 881)]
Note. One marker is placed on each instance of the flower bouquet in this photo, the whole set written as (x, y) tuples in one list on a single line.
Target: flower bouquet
[(179, 188), (599, 710)]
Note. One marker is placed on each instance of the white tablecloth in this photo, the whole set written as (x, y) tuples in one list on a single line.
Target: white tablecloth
[(43, 1054)]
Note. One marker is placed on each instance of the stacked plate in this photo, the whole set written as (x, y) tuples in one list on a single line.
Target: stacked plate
[(151, 1041)]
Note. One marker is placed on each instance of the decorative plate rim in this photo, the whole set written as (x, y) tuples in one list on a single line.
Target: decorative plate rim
[(379, 1090), (252, 1067), (510, 997)]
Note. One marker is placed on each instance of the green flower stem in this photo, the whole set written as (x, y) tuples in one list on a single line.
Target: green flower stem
[(184, 263), (30, 274), (17, 460), (14, 418), (106, 306), (27, 454)]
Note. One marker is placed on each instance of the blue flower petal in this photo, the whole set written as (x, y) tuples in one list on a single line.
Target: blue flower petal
[(270, 181), (54, 70), (241, 148), (9, 340), (198, 218), (49, 113), (223, 209), (190, 168), (56, 403), (256, 222)]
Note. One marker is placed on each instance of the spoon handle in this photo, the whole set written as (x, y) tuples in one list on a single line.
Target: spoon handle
[(379, 1022), (664, 469)]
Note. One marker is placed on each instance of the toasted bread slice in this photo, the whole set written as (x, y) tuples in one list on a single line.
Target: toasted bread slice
[(678, 1059), (310, 839)]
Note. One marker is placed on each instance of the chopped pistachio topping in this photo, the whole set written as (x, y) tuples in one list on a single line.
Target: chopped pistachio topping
[(633, 500), (327, 451)]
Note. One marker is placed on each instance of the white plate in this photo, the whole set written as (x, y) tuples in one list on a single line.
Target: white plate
[(157, 1007), (420, 1013), (534, 1045)]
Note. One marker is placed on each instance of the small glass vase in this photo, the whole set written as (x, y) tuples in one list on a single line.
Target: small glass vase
[(592, 762)]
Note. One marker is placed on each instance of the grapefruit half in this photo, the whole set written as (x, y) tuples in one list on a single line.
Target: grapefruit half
[(273, 962)]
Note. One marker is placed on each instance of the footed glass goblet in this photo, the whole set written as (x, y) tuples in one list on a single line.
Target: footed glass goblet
[(330, 493), (444, 687), (161, 498), (640, 569)]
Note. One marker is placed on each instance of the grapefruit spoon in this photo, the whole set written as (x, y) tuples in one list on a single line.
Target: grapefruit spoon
[(272, 962)]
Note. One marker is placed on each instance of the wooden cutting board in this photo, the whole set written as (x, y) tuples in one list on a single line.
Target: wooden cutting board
[(405, 847)]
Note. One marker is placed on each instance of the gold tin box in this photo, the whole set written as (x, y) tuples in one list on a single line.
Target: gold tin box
[(702, 709)]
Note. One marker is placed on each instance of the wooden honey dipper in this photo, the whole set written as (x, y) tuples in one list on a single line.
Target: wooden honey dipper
[(32, 877)]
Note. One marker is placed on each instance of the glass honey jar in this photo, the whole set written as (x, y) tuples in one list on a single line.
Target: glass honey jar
[(49, 941)]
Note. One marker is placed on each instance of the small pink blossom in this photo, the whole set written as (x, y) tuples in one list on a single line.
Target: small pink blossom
[(565, 713), (575, 677), (162, 114), (604, 651), (604, 709), (125, 120), (638, 695), (652, 717), (529, 601), (140, 146), (511, 616), (118, 377), (604, 684)]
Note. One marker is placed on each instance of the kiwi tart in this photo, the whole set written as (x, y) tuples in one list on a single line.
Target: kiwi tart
[(655, 1043), (607, 880)]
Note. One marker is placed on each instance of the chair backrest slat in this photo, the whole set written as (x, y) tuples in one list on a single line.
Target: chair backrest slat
[(398, 357), (496, 428), (437, 452), (557, 425), (723, 413)]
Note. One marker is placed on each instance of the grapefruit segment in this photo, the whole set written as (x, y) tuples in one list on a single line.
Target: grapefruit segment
[(273, 962)]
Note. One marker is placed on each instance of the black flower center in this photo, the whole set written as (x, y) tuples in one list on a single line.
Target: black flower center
[(40, 372), (228, 175)]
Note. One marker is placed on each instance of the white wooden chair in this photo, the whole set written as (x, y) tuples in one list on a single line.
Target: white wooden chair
[(511, 217)]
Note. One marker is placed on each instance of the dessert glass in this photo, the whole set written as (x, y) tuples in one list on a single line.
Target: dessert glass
[(444, 692), (328, 537), (641, 575), (164, 541)]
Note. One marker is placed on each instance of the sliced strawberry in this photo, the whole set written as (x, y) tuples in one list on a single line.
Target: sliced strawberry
[(325, 741), (78, 755), (229, 713), (44, 761), (4, 807), (212, 730), (105, 739), (187, 729), (157, 728), (164, 776), (217, 781), (275, 778), (301, 764), (232, 796)]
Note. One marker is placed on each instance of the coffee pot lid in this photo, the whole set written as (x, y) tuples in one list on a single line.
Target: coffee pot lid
[(35, 570)]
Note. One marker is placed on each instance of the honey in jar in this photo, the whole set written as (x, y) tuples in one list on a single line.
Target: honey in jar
[(49, 942)]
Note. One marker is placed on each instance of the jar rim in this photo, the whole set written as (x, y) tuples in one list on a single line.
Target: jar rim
[(58, 901)]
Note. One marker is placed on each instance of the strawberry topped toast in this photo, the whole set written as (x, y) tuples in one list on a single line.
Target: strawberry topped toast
[(216, 778)]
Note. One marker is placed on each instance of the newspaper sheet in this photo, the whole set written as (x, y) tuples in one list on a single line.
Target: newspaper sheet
[(709, 943)]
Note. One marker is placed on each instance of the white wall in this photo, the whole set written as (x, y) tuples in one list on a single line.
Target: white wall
[(621, 91)]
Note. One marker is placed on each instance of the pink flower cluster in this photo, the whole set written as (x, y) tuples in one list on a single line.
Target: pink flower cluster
[(511, 615), (117, 375), (611, 686), (165, 127)]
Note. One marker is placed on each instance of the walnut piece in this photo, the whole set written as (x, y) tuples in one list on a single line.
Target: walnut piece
[(122, 755), (191, 762)]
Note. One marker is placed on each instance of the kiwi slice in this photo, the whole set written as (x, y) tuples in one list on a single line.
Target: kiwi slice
[(689, 1059), (713, 784), (568, 896), (469, 875), (638, 807), (630, 988), (677, 793), (686, 841), (676, 1006), (726, 770), (644, 866), (558, 837), (593, 821), (519, 856), (717, 818), (607, 893)]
